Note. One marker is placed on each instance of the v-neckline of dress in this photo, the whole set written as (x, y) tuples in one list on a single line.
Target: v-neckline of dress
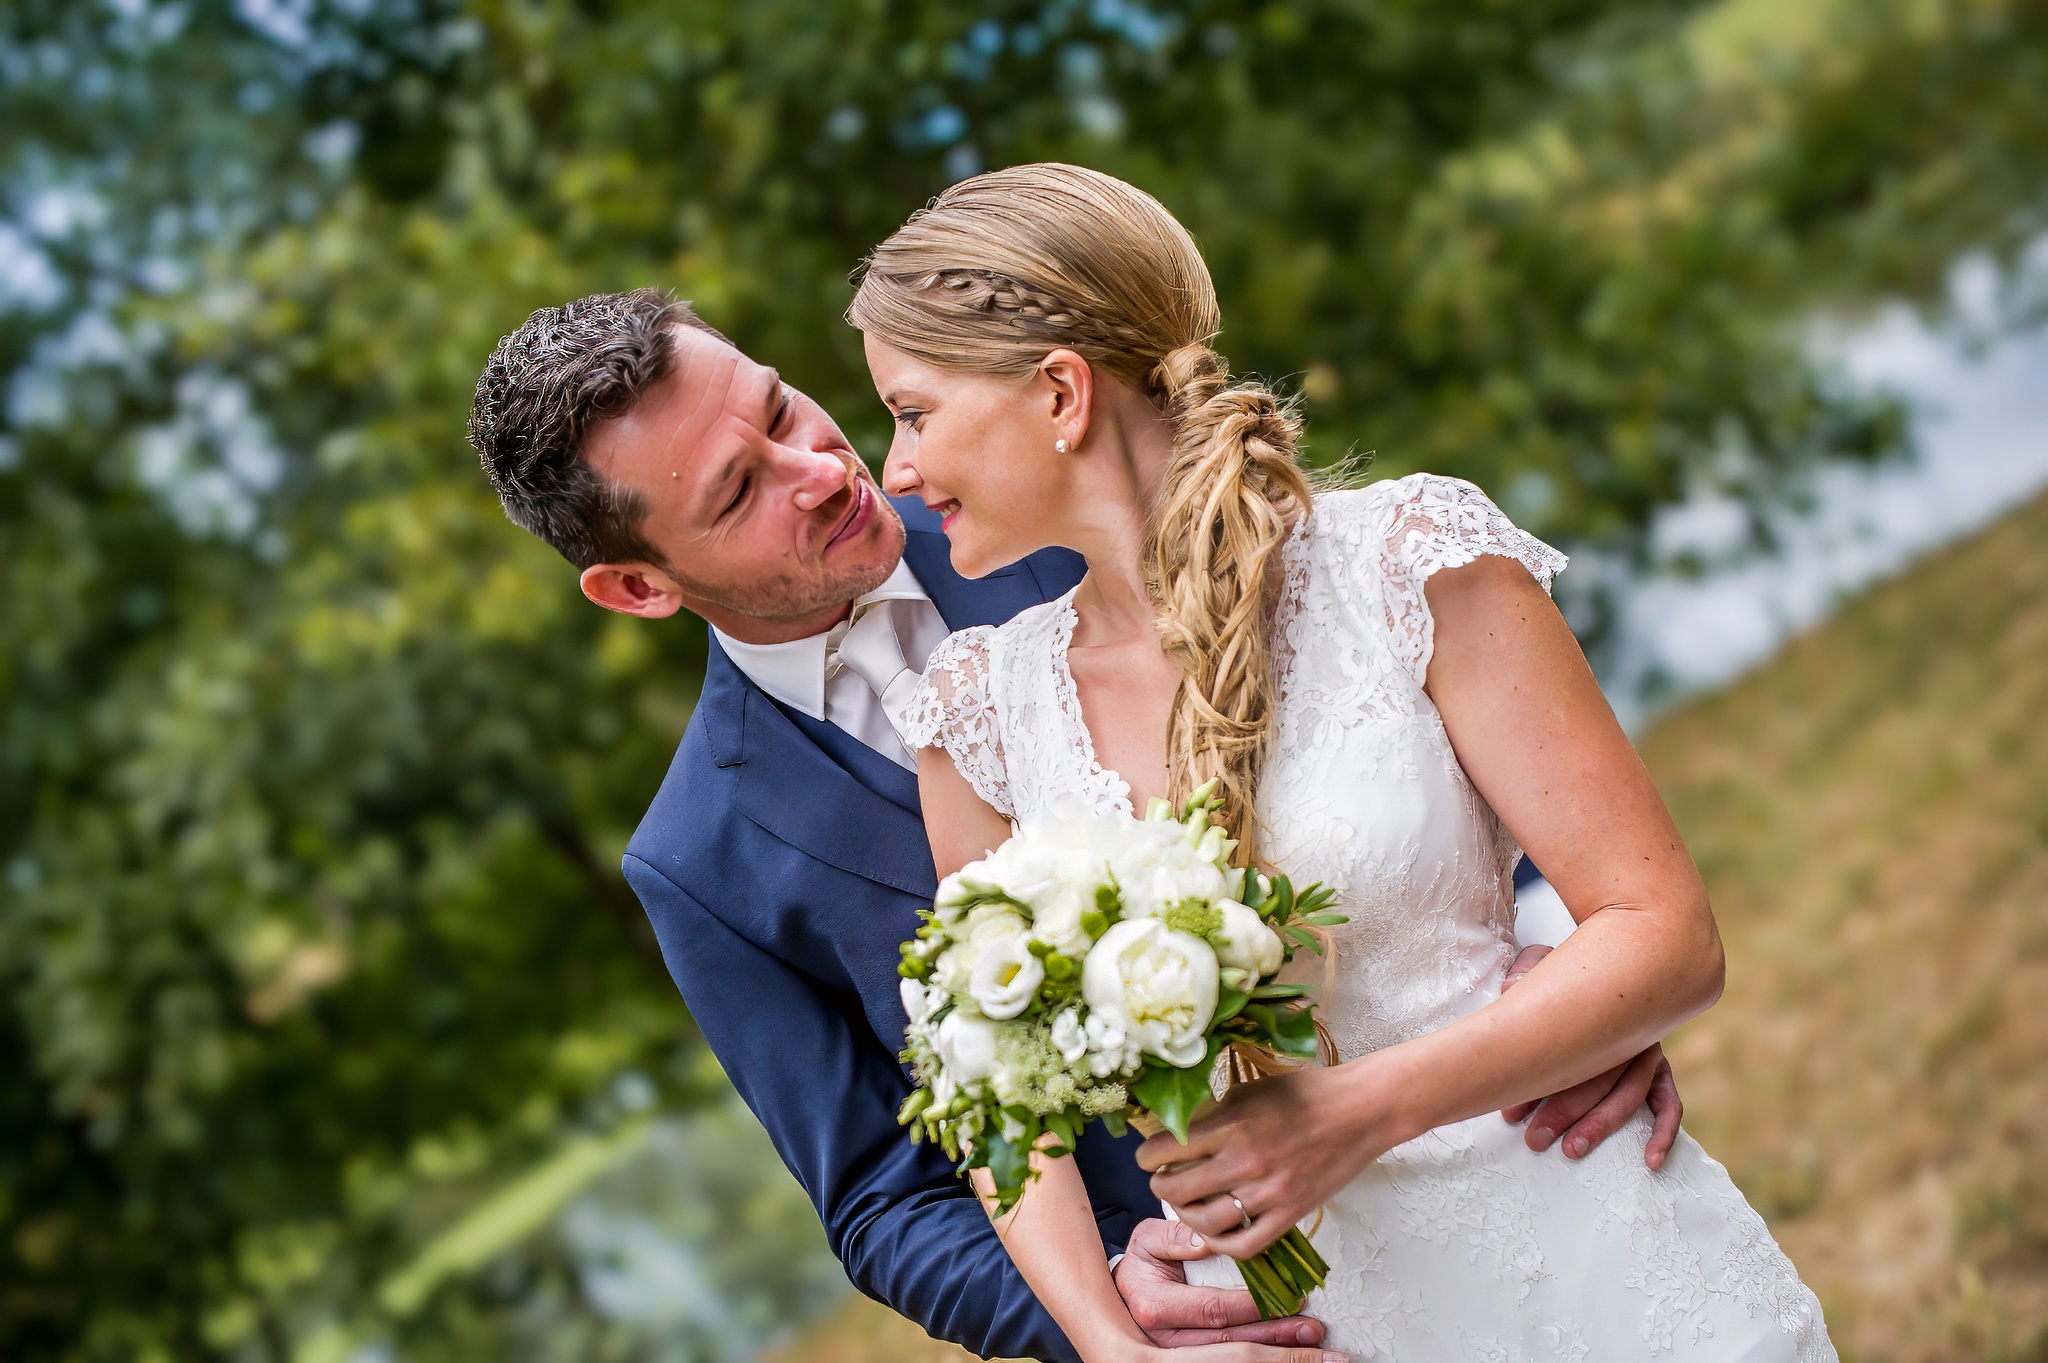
[(1105, 785), (1100, 782)]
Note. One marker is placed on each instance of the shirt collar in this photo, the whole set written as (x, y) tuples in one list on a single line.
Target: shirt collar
[(794, 672)]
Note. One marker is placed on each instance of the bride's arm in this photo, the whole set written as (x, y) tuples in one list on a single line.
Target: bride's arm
[(1051, 1233), (1532, 730)]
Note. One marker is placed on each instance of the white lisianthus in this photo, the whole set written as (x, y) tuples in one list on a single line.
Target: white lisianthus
[(1158, 984), (1006, 977), (967, 1047), (920, 1001), (983, 927), (1059, 889), (1245, 942)]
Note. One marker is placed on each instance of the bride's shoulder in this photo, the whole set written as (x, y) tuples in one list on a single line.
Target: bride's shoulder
[(1411, 527)]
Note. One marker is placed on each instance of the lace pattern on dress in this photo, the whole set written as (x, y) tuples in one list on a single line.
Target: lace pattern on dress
[(1461, 1245), (954, 708), (1430, 523)]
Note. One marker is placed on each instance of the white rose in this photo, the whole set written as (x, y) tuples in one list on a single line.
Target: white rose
[(1246, 942), (1006, 977), (1069, 1038), (967, 1047), (1158, 984)]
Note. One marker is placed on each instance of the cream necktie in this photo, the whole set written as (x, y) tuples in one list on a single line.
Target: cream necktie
[(871, 650)]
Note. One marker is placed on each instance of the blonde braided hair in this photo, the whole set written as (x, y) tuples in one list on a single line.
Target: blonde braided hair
[(1004, 267)]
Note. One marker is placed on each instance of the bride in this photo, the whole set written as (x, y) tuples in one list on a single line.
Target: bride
[(1393, 706)]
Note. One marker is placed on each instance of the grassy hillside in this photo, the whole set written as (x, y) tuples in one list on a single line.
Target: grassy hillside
[(1871, 812)]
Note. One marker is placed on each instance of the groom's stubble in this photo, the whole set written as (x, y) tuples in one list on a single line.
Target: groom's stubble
[(782, 599)]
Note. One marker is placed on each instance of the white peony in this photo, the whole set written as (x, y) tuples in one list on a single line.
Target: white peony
[(1245, 942), (1159, 985), (1006, 977), (1156, 867)]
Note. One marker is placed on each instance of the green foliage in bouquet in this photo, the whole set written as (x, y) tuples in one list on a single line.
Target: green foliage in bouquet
[(1097, 968)]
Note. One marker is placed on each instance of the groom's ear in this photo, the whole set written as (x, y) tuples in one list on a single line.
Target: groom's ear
[(633, 589), (1070, 383)]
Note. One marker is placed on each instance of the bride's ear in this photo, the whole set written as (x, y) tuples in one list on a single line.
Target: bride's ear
[(1070, 384)]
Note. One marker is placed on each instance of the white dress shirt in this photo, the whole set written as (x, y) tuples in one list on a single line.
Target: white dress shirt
[(795, 673)]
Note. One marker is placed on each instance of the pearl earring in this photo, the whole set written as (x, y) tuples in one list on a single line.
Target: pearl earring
[(1060, 445)]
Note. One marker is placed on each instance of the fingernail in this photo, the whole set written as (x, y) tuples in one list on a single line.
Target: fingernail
[(1195, 1240), (1335, 1358), (1541, 1137), (1577, 1147)]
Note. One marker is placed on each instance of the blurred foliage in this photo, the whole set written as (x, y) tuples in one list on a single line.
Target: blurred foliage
[(313, 772)]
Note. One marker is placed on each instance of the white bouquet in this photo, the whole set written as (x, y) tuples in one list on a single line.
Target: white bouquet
[(1093, 968)]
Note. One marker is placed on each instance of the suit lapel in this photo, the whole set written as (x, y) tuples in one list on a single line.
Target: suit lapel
[(792, 789), (870, 768), (791, 784)]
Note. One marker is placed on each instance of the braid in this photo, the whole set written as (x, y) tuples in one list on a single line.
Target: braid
[(1231, 493)]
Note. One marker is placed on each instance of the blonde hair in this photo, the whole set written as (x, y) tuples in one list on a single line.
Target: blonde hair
[(1003, 268)]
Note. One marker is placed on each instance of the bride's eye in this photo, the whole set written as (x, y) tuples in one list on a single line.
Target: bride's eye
[(909, 417)]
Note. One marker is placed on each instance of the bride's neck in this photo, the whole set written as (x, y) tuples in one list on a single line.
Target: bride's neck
[(1115, 517)]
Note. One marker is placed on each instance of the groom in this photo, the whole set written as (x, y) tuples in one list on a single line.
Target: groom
[(784, 858)]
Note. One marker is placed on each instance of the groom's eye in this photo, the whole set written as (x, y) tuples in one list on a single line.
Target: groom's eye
[(781, 414), (738, 496)]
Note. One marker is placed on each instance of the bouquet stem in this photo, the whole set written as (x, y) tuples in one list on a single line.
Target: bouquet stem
[(1283, 1274)]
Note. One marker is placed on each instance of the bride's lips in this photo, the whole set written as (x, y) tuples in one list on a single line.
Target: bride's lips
[(858, 516)]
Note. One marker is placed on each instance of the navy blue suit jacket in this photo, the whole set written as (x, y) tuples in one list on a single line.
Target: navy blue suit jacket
[(781, 865)]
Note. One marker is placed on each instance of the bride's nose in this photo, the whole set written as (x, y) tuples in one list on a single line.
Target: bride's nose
[(899, 471)]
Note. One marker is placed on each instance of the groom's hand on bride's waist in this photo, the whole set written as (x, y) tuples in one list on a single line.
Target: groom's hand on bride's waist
[(1152, 1278), (1589, 1113)]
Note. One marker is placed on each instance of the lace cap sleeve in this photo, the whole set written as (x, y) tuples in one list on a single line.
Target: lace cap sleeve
[(953, 709), (1428, 523)]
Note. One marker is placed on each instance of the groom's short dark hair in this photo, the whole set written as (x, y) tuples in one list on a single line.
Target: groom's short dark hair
[(544, 387)]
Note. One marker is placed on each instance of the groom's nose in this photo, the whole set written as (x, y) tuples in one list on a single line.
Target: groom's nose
[(816, 478)]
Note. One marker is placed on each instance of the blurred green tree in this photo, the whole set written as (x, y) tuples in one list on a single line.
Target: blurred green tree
[(322, 987)]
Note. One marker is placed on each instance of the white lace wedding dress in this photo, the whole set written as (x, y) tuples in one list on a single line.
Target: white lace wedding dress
[(1462, 1244)]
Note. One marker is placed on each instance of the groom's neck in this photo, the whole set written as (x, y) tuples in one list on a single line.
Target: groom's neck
[(755, 629)]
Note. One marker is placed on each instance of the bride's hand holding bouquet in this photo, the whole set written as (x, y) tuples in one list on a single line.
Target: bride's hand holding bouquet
[(1097, 968)]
